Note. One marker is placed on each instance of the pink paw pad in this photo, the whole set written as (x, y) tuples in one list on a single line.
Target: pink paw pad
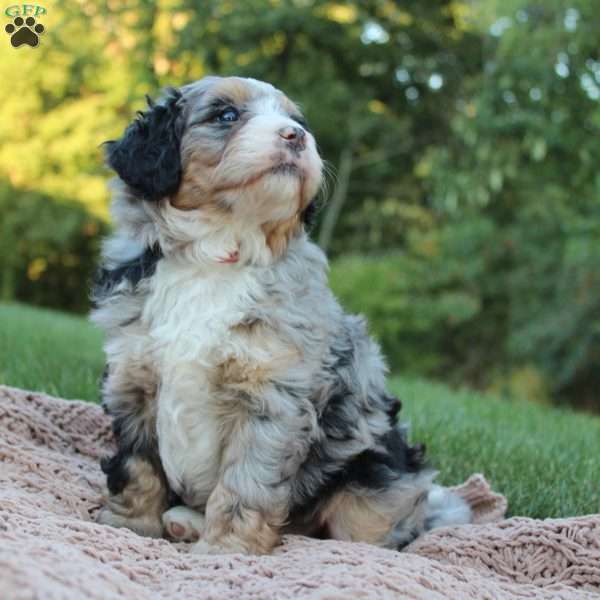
[(176, 530), (231, 257)]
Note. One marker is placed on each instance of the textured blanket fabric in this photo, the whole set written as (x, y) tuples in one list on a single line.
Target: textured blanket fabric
[(50, 547)]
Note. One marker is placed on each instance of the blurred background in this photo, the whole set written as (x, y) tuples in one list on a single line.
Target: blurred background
[(464, 216)]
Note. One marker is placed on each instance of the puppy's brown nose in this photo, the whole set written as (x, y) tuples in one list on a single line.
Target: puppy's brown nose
[(294, 136)]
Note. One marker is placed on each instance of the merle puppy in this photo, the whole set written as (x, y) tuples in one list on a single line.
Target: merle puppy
[(246, 403)]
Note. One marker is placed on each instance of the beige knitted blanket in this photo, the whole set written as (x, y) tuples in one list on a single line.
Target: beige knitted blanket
[(50, 547)]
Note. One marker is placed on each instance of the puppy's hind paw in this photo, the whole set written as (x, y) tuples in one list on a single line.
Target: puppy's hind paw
[(146, 526)]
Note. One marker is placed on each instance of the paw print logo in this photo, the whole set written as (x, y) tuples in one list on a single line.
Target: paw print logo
[(24, 31)]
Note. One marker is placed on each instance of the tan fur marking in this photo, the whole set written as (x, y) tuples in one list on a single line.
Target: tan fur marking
[(355, 518), (193, 191), (359, 516), (140, 505), (249, 374), (243, 374), (232, 526), (279, 233), (237, 90)]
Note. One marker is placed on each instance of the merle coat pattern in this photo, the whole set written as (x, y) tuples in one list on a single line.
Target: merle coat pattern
[(245, 402)]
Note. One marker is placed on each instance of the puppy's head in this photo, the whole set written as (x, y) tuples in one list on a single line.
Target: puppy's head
[(230, 145)]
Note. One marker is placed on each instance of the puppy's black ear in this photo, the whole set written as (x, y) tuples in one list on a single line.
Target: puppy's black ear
[(148, 156)]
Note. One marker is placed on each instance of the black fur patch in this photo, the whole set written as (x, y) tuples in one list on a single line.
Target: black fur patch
[(309, 215), (335, 420), (133, 271), (118, 476), (370, 469), (148, 158), (115, 470), (141, 447), (393, 409), (410, 537)]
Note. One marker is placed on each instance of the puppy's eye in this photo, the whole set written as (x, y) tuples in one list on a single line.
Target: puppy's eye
[(228, 115)]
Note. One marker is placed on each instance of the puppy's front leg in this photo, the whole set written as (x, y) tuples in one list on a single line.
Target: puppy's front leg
[(233, 526), (251, 501)]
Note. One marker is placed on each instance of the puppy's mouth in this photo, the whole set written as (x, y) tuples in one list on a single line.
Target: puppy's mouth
[(286, 168)]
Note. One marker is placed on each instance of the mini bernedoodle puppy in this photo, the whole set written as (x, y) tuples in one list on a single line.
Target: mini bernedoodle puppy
[(246, 404)]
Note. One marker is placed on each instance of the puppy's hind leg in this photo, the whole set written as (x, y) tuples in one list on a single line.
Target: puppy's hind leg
[(138, 495), (138, 490), (391, 516), (386, 504)]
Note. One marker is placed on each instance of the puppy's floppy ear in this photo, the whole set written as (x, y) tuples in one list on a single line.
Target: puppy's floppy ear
[(148, 157)]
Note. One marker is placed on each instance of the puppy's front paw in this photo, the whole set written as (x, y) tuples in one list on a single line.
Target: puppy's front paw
[(203, 547), (182, 524)]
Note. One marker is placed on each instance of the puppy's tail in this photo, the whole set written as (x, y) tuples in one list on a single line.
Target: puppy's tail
[(444, 507), (437, 506)]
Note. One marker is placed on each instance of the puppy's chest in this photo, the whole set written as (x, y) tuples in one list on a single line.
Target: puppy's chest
[(192, 315), (194, 330)]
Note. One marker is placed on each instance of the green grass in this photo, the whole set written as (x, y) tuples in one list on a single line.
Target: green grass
[(547, 461), (49, 351)]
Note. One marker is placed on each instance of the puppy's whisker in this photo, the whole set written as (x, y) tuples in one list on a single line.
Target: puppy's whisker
[(327, 185)]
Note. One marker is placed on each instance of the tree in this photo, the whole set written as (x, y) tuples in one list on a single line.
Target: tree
[(521, 158)]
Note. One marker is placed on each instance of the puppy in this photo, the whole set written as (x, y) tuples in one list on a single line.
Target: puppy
[(246, 404)]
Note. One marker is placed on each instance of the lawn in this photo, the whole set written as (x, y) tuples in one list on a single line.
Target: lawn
[(50, 351), (546, 460)]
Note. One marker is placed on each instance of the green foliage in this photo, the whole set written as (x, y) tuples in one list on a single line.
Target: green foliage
[(48, 249), (431, 304), (470, 138), (97, 60), (522, 156), (473, 301), (410, 308)]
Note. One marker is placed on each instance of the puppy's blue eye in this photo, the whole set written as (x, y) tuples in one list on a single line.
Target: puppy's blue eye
[(229, 115)]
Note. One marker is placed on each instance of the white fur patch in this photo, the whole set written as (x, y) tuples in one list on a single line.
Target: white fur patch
[(445, 508)]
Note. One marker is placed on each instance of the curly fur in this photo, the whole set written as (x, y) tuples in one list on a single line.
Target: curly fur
[(246, 403), (147, 157)]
